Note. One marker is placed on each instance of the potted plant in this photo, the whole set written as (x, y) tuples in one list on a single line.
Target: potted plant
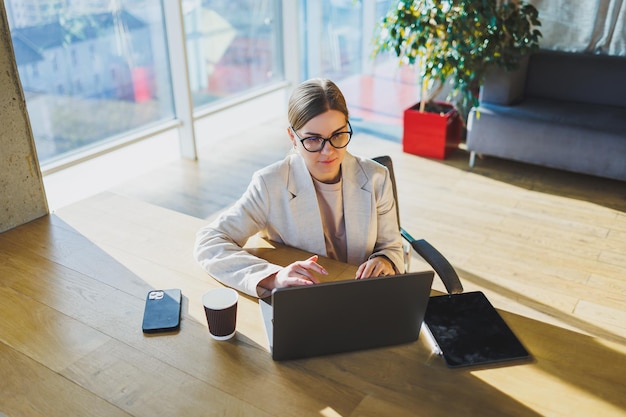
[(453, 43)]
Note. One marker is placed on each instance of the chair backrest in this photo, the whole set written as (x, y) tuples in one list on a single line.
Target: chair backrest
[(385, 160), (431, 255)]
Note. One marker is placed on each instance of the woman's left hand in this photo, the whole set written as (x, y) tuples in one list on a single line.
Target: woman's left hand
[(376, 267)]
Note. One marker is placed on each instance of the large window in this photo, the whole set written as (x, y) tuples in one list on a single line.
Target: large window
[(337, 42), (94, 72), (233, 46), (97, 73), (90, 70)]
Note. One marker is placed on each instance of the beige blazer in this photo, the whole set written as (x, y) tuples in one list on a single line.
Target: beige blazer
[(281, 204)]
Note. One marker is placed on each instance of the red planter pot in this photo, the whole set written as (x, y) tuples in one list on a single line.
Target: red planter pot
[(433, 135)]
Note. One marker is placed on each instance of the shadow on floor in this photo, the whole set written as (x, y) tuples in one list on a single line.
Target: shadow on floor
[(602, 191)]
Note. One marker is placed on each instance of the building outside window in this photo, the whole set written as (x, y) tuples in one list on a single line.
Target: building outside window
[(119, 43), (233, 46), (337, 42), (95, 72)]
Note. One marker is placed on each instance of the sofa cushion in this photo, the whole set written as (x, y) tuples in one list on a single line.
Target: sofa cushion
[(583, 78), (537, 141), (597, 117)]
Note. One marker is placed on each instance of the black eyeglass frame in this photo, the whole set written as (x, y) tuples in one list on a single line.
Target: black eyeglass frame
[(324, 140)]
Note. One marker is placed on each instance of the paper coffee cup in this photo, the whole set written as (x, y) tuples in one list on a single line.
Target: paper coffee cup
[(220, 307)]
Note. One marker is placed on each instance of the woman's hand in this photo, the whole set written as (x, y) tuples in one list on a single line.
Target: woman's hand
[(297, 273), (376, 267)]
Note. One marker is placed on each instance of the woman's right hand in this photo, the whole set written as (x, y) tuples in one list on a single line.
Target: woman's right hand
[(295, 274)]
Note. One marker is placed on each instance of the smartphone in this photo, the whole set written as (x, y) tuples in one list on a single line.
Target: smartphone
[(162, 311)]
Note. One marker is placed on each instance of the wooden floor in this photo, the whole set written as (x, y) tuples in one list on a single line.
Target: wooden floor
[(72, 292), (543, 243)]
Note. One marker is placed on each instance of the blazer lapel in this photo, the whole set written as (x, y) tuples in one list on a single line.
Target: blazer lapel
[(357, 201), (303, 204)]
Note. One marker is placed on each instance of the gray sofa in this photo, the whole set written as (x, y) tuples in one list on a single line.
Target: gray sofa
[(561, 110)]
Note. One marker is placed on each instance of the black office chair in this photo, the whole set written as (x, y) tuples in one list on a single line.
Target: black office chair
[(431, 255)]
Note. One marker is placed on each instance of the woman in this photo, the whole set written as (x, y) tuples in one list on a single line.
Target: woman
[(301, 202)]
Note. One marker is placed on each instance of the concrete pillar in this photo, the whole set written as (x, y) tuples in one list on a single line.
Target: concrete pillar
[(22, 196)]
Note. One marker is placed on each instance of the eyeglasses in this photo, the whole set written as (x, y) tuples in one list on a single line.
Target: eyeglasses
[(316, 143)]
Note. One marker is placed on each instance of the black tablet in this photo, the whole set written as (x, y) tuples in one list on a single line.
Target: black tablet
[(469, 331)]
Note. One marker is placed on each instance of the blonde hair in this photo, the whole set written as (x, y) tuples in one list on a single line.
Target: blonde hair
[(312, 98)]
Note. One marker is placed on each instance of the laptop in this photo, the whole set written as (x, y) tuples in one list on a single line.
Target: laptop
[(344, 316)]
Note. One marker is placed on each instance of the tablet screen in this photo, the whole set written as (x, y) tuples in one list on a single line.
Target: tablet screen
[(469, 330)]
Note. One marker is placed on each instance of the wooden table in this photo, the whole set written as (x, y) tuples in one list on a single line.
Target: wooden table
[(72, 290)]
